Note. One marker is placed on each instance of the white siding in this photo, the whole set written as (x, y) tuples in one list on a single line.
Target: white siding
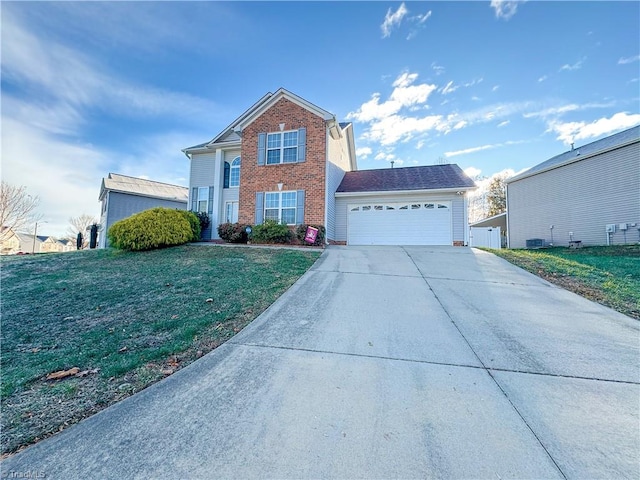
[(581, 197), (457, 204), (338, 162), (202, 171)]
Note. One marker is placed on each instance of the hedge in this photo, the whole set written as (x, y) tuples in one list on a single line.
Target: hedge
[(154, 228)]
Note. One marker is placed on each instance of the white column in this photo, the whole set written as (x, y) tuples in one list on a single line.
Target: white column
[(218, 175)]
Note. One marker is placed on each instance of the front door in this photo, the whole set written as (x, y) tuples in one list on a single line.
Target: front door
[(231, 212)]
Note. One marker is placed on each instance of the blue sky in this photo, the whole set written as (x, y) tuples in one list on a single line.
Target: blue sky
[(92, 88)]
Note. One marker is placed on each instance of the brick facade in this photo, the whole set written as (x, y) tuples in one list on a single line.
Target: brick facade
[(308, 175)]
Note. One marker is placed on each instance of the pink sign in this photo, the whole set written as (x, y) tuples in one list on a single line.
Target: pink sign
[(311, 235)]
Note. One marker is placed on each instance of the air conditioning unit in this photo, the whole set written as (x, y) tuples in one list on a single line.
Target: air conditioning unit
[(611, 228), (622, 226), (535, 243)]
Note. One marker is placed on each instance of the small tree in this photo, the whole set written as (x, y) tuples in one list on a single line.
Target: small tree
[(17, 209), (496, 195), (80, 224)]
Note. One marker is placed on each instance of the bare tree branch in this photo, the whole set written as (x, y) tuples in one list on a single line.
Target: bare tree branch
[(80, 225), (17, 209)]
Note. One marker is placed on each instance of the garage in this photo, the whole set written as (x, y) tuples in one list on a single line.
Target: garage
[(424, 205), (400, 223)]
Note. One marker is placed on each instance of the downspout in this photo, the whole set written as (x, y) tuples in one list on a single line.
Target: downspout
[(326, 181), (506, 201)]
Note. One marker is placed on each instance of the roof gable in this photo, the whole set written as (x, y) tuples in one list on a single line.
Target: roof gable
[(231, 132), (431, 177), (590, 149)]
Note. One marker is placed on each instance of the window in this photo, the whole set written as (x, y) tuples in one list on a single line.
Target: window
[(440, 205), (203, 199), (234, 176), (428, 205), (231, 212), (282, 147), (281, 207)]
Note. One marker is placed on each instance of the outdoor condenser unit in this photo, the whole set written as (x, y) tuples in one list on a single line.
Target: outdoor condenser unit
[(611, 228)]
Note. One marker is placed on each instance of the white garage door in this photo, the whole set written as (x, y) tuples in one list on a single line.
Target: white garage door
[(424, 223)]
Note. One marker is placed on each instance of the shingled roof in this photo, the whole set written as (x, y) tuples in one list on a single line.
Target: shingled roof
[(140, 186), (599, 146), (431, 177)]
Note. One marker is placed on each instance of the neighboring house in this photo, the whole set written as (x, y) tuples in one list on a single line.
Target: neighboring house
[(66, 245), (19, 242), (122, 196), (288, 160), (589, 194), (49, 244)]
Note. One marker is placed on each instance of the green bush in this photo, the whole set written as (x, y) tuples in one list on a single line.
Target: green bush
[(194, 221), (271, 232), (203, 218), (154, 228), (233, 232), (301, 232)]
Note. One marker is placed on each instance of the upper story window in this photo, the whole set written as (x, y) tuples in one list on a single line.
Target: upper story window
[(282, 147), (288, 146), (234, 176), (232, 173)]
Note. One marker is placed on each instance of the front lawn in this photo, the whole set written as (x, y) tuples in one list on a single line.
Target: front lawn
[(125, 320), (607, 275)]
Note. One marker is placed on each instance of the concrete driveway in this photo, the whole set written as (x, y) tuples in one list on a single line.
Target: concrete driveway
[(385, 362)]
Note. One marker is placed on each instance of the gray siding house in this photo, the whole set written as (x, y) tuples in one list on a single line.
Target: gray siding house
[(122, 196), (589, 194)]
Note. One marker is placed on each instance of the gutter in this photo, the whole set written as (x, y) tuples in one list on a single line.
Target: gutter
[(461, 190)]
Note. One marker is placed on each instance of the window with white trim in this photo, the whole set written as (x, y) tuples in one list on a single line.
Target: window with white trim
[(282, 147), (231, 212), (281, 207), (203, 199), (234, 174)]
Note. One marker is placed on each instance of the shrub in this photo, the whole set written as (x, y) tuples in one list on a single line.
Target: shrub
[(271, 232), (301, 232), (203, 217), (194, 221), (233, 232), (154, 228)]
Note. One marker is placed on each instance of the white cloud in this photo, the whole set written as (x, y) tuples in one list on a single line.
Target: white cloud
[(576, 66), (562, 109), (437, 69), (466, 151), (542, 78), (423, 18), (405, 94), (504, 124), (505, 9), (472, 172), (448, 88), (393, 20), (624, 61), (495, 88), (569, 132), (363, 152)]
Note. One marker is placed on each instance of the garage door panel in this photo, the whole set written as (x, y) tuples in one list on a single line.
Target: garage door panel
[(426, 223)]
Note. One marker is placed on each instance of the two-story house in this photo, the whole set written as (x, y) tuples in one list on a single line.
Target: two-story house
[(289, 160)]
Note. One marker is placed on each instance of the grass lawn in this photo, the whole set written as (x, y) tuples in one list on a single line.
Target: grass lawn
[(607, 275), (125, 320)]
